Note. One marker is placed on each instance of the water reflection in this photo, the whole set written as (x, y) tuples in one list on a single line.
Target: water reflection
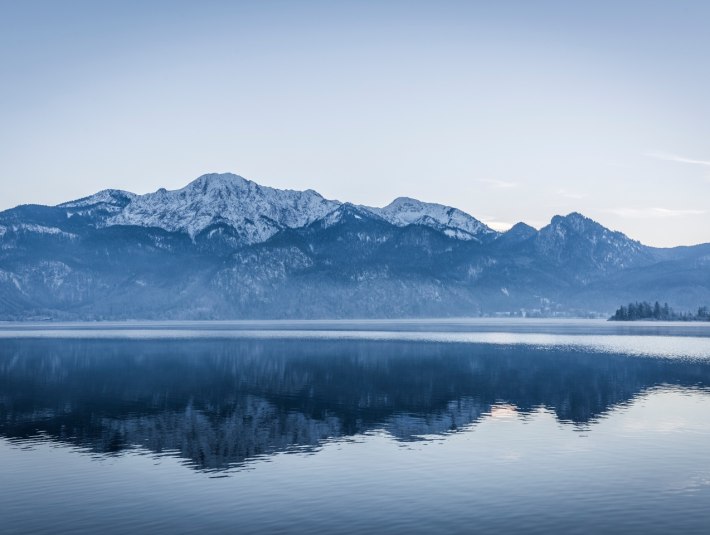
[(219, 403)]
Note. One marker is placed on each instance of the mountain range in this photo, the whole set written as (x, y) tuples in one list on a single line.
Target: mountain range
[(224, 247)]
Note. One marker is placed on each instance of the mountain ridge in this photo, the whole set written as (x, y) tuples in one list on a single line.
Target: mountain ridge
[(226, 247), (153, 209)]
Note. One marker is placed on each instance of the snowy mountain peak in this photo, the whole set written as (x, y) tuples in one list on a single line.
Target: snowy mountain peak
[(255, 212), (216, 181), (112, 197), (452, 221), (99, 206), (406, 203)]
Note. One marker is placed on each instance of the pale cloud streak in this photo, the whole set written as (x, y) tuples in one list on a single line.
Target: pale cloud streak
[(570, 194), (497, 184), (675, 158), (654, 212)]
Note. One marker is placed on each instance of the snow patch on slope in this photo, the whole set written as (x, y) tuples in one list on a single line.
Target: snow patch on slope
[(39, 229), (347, 211), (7, 276)]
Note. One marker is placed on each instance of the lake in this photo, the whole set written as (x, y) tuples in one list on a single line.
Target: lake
[(456, 426)]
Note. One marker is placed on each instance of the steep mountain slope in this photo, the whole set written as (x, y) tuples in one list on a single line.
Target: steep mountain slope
[(584, 245)]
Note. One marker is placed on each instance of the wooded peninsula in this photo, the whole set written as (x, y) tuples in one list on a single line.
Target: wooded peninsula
[(647, 311)]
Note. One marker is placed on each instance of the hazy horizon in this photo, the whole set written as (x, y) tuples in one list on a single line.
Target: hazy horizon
[(511, 111)]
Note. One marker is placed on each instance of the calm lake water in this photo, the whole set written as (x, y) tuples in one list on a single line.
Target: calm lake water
[(351, 427)]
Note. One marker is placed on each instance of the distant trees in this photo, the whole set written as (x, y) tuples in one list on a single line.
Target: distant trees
[(646, 311)]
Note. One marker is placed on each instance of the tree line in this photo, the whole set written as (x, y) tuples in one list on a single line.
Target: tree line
[(646, 311)]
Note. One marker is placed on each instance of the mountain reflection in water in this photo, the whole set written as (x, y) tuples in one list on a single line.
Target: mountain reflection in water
[(220, 403)]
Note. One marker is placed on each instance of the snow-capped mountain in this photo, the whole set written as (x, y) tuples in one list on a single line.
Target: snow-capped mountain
[(226, 247), (255, 212), (453, 222)]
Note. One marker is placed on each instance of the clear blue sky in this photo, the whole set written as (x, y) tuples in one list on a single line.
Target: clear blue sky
[(508, 110)]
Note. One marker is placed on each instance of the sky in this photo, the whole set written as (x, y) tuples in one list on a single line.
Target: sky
[(509, 110)]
